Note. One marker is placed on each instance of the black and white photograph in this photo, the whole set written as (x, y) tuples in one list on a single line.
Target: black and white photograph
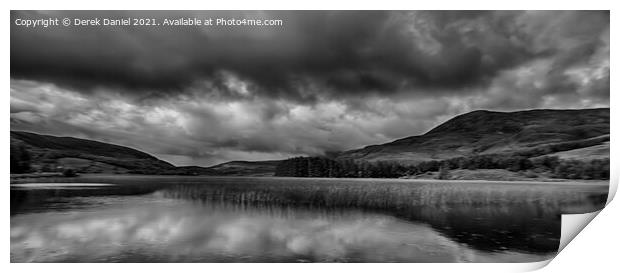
[(305, 136)]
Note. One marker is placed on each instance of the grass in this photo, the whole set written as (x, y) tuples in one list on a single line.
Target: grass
[(394, 196), (371, 194), (587, 153)]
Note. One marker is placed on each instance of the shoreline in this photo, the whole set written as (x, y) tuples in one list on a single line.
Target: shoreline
[(90, 176)]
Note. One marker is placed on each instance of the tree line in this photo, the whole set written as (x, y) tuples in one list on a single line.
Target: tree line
[(553, 165), (20, 159), (21, 162)]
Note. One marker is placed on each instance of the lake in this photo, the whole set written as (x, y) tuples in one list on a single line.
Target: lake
[(243, 219)]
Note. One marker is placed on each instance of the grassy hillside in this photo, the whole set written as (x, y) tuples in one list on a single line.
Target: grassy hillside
[(246, 168), (50, 153), (488, 132), (587, 153), (53, 154)]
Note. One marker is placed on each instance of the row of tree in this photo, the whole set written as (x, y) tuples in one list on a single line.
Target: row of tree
[(575, 169), (554, 166), (20, 159), (325, 167)]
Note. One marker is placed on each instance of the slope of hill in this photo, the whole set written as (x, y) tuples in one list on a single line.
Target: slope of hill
[(48, 153), (488, 132), (587, 153), (51, 153), (246, 168)]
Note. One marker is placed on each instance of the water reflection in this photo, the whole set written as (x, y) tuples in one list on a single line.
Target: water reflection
[(266, 222), (490, 217)]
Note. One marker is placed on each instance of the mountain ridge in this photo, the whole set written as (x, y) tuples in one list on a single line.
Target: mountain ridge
[(484, 132)]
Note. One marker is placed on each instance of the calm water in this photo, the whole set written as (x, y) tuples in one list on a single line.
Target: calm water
[(198, 219)]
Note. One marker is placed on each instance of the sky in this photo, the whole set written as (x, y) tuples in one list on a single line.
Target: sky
[(321, 82)]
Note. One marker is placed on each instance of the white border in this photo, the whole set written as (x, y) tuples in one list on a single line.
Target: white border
[(594, 249)]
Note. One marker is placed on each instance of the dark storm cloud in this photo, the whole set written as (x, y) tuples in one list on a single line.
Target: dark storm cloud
[(314, 54)]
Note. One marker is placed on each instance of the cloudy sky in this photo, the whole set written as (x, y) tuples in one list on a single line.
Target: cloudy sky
[(323, 81)]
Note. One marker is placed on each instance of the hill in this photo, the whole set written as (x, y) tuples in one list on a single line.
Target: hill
[(246, 168), (49, 153), (533, 132)]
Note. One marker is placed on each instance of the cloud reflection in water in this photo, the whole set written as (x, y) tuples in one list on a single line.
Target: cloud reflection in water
[(128, 229)]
